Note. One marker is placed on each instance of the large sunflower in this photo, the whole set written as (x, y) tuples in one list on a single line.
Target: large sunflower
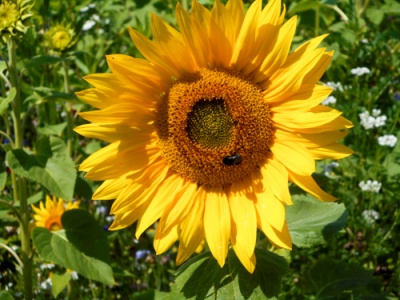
[(206, 131), (49, 215)]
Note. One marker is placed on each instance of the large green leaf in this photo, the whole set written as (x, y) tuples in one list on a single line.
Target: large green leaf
[(5, 296), (337, 280), (202, 277), (311, 221), (50, 166), (81, 246)]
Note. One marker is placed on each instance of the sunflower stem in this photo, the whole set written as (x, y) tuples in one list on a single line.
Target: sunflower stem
[(68, 106), (20, 187), (317, 13)]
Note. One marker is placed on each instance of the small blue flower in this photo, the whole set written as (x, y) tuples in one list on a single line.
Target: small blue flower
[(140, 254)]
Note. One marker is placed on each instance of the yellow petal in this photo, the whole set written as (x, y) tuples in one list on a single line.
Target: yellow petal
[(167, 191), (275, 176), (244, 223), (217, 224), (295, 158), (308, 184), (164, 239)]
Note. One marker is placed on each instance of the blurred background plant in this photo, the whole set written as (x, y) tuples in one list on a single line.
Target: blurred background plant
[(59, 42)]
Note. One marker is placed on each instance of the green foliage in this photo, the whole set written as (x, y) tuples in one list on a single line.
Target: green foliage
[(50, 166), (312, 222), (330, 279), (82, 246), (202, 277)]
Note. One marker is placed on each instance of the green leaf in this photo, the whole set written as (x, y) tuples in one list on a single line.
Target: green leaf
[(330, 279), (43, 60), (50, 166), (375, 15), (3, 177), (59, 282), (303, 6), (82, 246), (4, 102), (83, 187), (311, 221), (5, 296), (157, 295), (202, 277), (56, 129)]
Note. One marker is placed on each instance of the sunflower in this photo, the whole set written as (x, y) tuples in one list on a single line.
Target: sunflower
[(49, 215), (207, 130), (13, 14)]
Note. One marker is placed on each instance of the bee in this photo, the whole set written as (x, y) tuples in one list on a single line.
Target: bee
[(232, 160)]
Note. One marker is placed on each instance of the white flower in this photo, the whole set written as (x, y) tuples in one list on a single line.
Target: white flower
[(387, 140), (380, 121), (376, 112), (96, 18), (370, 186), (368, 121), (370, 216), (74, 275), (335, 85), (329, 100), (364, 41), (46, 285), (360, 71), (46, 266), (86, 8), (88, 25)]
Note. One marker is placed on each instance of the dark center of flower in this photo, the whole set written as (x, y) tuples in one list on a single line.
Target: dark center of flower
[(214, 127), (209, 124)]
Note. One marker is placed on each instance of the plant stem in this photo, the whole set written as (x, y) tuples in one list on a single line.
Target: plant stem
[(20, 188), (317, 12), (68, 105)]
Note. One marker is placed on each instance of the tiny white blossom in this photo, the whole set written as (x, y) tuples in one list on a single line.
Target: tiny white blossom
[(370, 216), (329, 100), (88, 25), (376, 112), (46, 266), (368, 121), (335, 85), (364, 41), (74, 275), (96, 18), (387, 140), (360, 71), (46, 285), (86, 8), (380, 121), (370, 186)]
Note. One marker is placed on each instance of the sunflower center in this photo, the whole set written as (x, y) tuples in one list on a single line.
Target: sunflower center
[(214, 127), (209, 124)]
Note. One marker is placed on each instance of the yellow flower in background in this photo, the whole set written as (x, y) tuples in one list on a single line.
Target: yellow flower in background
[(12, 15), (49, 215), (207, 130), (60, 37)]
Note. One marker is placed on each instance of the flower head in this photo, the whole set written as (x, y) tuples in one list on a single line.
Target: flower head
[(206, 131), (360, 71), (60, 37), (387, 140), (49, 215), (370, 186), (13, 13)]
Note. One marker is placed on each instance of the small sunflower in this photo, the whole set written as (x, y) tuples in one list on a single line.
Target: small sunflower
[(13, 13), (207, 130), (60, 37), (49, 215)]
